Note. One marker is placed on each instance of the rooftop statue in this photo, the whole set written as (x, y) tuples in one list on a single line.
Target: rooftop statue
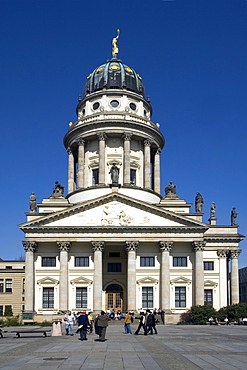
[(199, 203), (212, 210), (115, 45), (233, 217), (171, 189), (58, 190), (32, 203)]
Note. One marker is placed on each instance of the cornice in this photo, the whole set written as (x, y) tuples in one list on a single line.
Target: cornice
[(224, 238)]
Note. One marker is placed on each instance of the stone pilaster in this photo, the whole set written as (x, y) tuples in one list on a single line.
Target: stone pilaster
[(165, 247), (98, 248), (102, 138), (29, 248), (81, 162), (223, 254), (234, 276), (71, 171), (126, 157), (147, 157), (199, 273), (157, 171), (131, 248), (63, 275)]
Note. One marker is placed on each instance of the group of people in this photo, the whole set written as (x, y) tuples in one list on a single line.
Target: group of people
[(241, 321), (86, 322)]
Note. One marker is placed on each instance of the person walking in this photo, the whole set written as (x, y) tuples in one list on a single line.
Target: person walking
[(69, 319), (141, 324), (127, 321), (101, 322), (151, 323), (83, 323)]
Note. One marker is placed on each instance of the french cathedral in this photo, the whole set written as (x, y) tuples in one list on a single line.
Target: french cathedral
[(114, 242)]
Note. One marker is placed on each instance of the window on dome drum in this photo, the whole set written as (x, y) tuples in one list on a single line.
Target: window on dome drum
[(82, 261), (114, 267), (114, 254), (1, 286), (132, 106), (208, 296), (96, 105), (147, 261), (48, 297), (8, 286), (180, 261), (132, 177), (180, 296), (208, 265), (147, 297), (95, 174), (114, 103), (48, 261), (23, 286), (81, 297)]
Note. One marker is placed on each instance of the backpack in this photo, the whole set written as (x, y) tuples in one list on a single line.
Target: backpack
[(132, 319)]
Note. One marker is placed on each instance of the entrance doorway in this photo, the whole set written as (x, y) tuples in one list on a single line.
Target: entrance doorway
[(114, 297)]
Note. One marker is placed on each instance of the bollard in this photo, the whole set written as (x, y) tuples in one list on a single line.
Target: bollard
[(56, 328)]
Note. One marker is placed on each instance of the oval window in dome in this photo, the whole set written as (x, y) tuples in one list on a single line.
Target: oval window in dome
[(114, 103), (132, 106), (96, 105)]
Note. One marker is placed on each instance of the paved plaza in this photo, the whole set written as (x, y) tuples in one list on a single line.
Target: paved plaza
[(180, 347)]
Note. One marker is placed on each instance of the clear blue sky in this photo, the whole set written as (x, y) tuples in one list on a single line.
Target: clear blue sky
[(192, 55)]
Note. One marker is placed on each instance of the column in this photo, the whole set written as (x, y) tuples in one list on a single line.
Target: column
[(102, 138), (126, 158), (63, 275), (147, 144), (131, 248), (234, 276), (71, 171), (165, 247), (222, 254), (98, 248), (199, 273), (29, 248), (157, 171), (81, 162)]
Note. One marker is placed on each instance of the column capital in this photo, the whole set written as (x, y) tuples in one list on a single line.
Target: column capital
[(69, 151), (199, 245), (64, 246), (126, 136), (222, 253), (80, 141), (165, 245), (102, 136), (147, 142), (235, 253), (131, 246), (98, 246), (29, 246), (158, 151)]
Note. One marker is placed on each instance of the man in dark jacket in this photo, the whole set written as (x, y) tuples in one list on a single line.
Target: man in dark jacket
[(83, 323), (141, 324), (102, 322), (150, 322)]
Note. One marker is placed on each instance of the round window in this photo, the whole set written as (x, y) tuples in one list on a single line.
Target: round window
[(96, 105), (132, 106), (114, 103)]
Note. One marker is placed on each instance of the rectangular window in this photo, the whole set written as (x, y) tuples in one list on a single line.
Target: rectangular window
[(95, 176), (81, 297), (48, 297), (147, 261), (1, 286), (180, 261), (48, 261), (82, 261), (8, 267), (23, 286), (208, 296), (180, 296), (114, 267), (208, 265), (147, 297), (133, 177), (8, 286), (114, 254), (1, 310)]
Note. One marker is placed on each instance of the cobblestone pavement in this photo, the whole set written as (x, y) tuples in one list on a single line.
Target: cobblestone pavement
[(175, 347)]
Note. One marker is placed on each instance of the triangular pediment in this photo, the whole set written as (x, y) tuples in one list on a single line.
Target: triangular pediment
[(210, 283), (147, 280), (81, 280), (181, 279), (47, 281), (114, 210)]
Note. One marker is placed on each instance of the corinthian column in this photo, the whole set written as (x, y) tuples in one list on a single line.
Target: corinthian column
[(157, 171), (63, 275), (29, 248), (234, 276), (222, 254), (131, 248), (102, 138), (165, 247), (71, 171), (126, 157), (199, 273), (98, 248), (147, 157), (81, 161)]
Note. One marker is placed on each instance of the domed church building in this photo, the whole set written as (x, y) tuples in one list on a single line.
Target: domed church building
[(114, 242)]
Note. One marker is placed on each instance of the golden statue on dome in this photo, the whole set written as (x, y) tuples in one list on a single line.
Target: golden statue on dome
[(115, 45)]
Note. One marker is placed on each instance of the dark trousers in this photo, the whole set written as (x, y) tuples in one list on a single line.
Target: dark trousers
[(151, 328), (83, 332), (102, 333), (141, 325)]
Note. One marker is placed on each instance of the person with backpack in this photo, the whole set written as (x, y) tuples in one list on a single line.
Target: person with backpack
[(127, 321)]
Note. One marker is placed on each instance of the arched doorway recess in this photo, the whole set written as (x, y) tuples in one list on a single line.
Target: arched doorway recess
[(114, 297)]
